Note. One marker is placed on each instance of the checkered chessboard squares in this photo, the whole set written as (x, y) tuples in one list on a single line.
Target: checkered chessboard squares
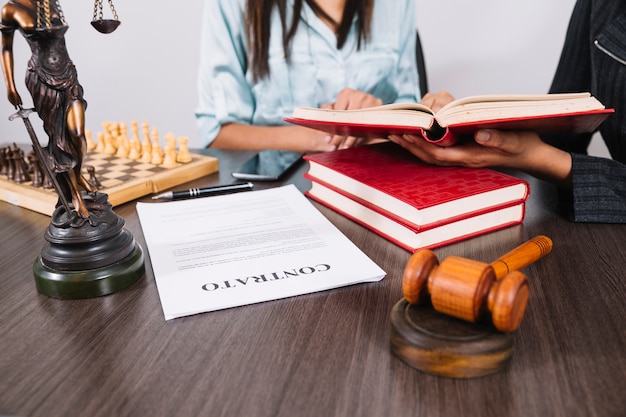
[(112, 171)]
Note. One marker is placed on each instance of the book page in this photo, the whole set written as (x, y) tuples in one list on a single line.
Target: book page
[(495, 98), (230, 250), (306, 112), (500, 106), (395, 114)]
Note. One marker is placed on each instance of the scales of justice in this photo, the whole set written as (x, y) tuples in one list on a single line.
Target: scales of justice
[(87, 252)]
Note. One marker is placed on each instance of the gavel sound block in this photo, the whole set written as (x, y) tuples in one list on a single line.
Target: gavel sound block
[(466, 330)]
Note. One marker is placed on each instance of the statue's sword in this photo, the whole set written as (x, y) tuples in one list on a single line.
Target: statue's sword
[(23, 114)]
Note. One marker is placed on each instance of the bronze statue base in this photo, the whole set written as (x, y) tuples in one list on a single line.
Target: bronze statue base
[(85, 258), (72, 285), (446, 346)]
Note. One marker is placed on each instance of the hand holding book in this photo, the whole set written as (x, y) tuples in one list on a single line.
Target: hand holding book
[(350, 99), (496, 148), (522, 149), (435, 101)]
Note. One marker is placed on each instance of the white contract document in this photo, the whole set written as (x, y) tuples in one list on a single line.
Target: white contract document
[(230, 250)]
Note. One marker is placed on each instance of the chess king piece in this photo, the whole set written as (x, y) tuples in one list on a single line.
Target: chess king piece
[(87, 252)]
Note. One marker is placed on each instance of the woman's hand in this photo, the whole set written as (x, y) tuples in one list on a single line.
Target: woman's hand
[(435, 101), (493, 148), (349, 99)]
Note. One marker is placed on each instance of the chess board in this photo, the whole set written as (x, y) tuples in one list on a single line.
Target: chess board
[(122, 179)]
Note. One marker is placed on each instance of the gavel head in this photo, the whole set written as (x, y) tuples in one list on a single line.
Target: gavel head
[(466, 289)]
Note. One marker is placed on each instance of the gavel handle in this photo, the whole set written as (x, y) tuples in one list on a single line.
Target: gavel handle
[(523, 255)]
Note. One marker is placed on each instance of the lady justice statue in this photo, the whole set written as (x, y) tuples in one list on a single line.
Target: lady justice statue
[(52, 81), (87, 253)]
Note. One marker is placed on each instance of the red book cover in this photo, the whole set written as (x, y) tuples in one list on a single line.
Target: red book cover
[(386, 178), (321, 190), (571, 112), (413, 238), (576, 122)]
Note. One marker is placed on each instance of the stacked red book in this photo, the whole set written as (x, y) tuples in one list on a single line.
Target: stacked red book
[(413, 204)]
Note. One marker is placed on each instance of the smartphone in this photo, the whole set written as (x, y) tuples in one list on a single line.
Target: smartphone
[(269, 165)]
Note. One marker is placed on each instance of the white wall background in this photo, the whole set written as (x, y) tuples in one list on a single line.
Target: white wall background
[(146, 70), (492, 46)]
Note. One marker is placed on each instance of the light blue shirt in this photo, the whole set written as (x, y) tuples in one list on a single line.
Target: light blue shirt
[(384, 67)]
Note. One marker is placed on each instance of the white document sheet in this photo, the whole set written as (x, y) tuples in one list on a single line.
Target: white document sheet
[(224, 251)]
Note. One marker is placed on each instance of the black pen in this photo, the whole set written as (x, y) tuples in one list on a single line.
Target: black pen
[(203, 192)]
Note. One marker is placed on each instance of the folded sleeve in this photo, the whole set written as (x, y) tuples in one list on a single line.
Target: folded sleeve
[(224, 94)]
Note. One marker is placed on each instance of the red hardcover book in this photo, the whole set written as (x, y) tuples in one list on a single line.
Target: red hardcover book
[(407, 235), (387, 180), (575, 112)]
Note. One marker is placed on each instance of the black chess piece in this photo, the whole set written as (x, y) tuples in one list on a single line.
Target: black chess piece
[(93, 180), (37, 170), (3, 162), (29, 160), (20, 174), (8, 155), (47, 182), (23, 161)]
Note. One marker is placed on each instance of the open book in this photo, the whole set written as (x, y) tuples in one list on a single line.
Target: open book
[(575, 112)]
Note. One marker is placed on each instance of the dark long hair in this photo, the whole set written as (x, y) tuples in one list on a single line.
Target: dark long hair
[(258, 15)]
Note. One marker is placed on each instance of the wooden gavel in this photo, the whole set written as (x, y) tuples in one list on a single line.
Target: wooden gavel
[(470, 290)]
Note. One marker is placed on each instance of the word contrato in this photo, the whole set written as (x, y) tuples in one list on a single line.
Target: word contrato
[(267, 277)]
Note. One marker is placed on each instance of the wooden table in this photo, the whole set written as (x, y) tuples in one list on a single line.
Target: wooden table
[(324, 354)]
